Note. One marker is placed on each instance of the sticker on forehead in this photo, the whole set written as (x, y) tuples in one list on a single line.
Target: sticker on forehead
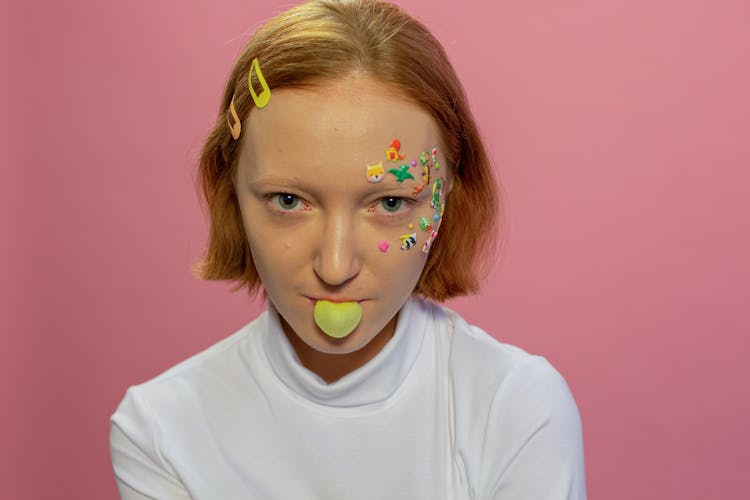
[(408, 241), (392, 153), (375, 173), (426, 176), (424, 158), (401, 173)]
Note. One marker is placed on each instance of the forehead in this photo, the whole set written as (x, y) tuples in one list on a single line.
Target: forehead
[(333, 127)]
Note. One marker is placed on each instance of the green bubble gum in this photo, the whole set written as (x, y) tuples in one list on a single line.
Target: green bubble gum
[(337, 320)]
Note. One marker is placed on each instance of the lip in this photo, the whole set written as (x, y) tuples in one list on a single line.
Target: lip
[(335, 300)]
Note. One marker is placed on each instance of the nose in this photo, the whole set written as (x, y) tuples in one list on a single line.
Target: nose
[(337, 259)]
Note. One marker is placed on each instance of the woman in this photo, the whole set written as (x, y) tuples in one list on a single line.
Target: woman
[(345, 176)]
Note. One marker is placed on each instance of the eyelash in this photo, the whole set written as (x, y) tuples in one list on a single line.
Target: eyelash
[(274, 199), (405, 208), (406, 204)]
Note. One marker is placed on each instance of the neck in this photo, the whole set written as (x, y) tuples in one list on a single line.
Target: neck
[(331, 367)]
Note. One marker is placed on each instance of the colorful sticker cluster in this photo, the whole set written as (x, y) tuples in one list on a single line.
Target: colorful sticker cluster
[(426, 161)]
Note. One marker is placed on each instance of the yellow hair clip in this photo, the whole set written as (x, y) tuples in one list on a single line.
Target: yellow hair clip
[(261, 100)]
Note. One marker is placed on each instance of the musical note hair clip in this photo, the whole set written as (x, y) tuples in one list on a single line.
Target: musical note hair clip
[(260, 100)]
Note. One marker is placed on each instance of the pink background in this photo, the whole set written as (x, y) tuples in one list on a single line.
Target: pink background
[(621, 133)]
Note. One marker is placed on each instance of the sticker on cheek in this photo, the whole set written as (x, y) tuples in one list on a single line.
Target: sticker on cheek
[(392, 153), (401, 173), (375, 173), (408, 241), (437, 191), (424, 224), (383, 246), (428, 242)]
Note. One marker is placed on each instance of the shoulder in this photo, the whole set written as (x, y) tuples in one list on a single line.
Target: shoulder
[(515, 417), (499, 373), (152, 419), (487, 365), (194, 382)]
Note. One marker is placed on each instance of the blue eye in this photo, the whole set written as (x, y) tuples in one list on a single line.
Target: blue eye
[(287, 201), (391, 204)]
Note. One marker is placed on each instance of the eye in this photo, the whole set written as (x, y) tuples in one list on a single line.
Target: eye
[(393, 208), (286, 201), (391, 204)]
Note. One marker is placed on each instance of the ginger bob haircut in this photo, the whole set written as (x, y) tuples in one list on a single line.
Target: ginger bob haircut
[(304, 47)]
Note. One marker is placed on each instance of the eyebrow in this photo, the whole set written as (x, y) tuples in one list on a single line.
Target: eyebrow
[(274, 181), (379, 189)]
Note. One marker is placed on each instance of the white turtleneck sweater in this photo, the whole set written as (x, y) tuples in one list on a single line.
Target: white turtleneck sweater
[(444, 411)]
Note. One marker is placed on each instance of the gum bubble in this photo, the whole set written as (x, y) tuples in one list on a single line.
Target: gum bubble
[(337, 320)]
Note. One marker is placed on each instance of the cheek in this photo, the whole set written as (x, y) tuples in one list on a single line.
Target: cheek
[(412, 239), (403, 258), (272, 247)]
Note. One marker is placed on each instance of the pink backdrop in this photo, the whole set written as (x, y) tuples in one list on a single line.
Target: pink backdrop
[(621, 132)]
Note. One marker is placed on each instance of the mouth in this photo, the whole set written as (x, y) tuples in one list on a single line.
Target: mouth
[(335, 300)]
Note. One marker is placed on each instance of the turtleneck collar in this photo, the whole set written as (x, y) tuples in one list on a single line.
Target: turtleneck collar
[(373, 382)]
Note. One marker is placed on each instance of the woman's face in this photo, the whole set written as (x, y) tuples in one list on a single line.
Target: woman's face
[(320, 223)]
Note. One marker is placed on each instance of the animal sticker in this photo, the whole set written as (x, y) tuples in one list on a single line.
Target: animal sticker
[(401, 173), (408, 241), (375, 173), (392, 152)]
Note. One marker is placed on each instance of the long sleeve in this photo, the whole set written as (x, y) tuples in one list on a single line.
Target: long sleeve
[(140, 470), (533, 441)]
